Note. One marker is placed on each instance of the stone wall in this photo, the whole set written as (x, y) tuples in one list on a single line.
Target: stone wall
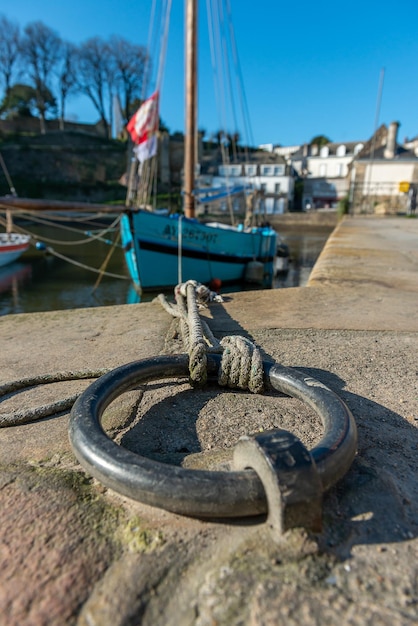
[(60, 165), (388, 200), (32, 125)]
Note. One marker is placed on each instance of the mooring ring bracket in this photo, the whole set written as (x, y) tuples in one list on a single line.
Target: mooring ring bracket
[(217, 494), (290, 479)]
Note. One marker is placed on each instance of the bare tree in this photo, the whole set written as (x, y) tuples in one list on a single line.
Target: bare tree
[(67, 81), (103, 70), (111, 78), (41, 48), (93, 73), (129, 63), (9, 51)]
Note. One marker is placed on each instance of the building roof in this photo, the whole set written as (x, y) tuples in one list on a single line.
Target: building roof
[(401, 154), (210, 161), (332, 147)]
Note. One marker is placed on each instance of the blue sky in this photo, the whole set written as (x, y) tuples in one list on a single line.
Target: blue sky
[(309, 67)]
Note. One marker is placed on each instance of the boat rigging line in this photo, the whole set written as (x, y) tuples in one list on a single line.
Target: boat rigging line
[(40, 245), (225, 65), (142, 179), (84, 266), (90, 236), (8, 177)]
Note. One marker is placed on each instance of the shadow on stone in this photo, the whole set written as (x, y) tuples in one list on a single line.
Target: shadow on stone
[(373, 503)]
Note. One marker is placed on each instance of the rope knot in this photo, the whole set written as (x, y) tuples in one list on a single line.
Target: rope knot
[(181, 288), (198, 362), (203, 293), (242, 365)]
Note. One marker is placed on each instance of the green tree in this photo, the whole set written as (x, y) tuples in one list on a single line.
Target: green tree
[(320, 140), (19, 101)]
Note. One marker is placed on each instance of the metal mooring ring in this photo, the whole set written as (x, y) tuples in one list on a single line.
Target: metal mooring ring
[(203, 493)]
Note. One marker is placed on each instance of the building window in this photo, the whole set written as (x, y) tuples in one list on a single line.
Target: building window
[(272, 170), (277, 188), (341, 150), (250, 170), (358, 147), (322, 169), (324, 152), (340, 169), (230, 170)]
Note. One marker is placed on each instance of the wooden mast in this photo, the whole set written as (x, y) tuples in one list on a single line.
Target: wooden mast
[(191, 108)]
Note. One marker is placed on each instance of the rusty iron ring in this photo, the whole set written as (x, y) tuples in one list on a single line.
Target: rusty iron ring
[(202, 493)]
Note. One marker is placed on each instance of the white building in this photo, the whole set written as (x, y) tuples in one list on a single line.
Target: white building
[(325, 172), (286, 151), (382, 177), (273, 178)]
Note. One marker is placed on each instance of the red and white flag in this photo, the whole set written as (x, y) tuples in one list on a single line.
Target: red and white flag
[(144, 124), (146, 149)]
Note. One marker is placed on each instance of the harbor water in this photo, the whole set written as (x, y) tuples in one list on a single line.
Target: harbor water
[(63, 279)]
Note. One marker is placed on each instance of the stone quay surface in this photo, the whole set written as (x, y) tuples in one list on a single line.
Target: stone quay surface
[(75, 552)]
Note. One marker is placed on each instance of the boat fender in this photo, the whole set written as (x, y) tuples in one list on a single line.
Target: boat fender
[(254, 272), (215, 284)]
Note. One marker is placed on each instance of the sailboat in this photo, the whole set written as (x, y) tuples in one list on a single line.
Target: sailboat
[(12, 245), (162, 250)]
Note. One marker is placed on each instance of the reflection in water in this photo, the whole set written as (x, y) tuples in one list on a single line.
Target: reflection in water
[(41, 282), (13, 277), (305, 249)]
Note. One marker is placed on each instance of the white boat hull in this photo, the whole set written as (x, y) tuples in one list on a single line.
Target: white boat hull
[(12, 246)]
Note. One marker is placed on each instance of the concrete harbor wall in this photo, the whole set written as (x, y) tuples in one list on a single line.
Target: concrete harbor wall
[(304, 220), (76, 552)]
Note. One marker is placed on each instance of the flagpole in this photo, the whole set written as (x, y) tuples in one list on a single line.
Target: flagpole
[(191, 108), (376, 124), (143, 132)]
